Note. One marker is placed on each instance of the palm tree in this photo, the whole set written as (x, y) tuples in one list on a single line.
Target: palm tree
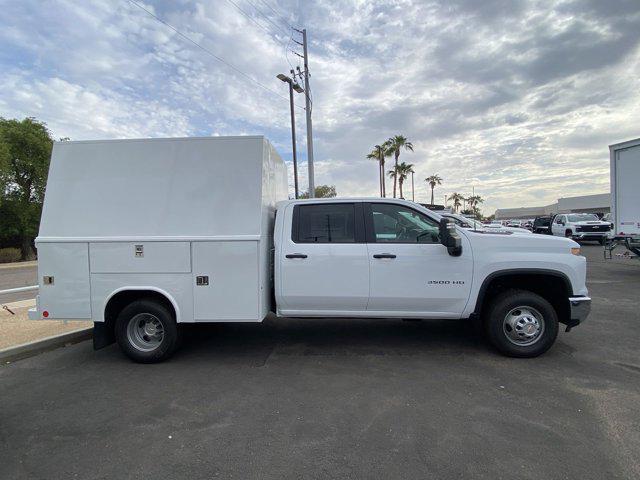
[(433, 180), (400, 173), (379, 153), (474, 200), (457, 201), (396, 144)]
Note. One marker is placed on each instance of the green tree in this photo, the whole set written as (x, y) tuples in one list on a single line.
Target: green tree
[(26, 148), (322, 191), (395, 145), (400, 174), (433, 180)]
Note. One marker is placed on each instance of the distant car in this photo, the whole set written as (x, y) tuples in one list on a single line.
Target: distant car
[(542, 225), (580, 226)]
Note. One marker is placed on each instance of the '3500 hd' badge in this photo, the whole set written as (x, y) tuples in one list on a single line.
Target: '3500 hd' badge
[(445, 282)]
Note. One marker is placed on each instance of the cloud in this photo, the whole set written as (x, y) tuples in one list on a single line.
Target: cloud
[(515, 99)]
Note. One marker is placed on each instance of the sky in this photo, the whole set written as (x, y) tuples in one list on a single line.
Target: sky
[(516, 100)]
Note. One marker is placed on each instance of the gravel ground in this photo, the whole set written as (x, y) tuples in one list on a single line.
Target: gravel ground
[(18, 329), (336, 398)]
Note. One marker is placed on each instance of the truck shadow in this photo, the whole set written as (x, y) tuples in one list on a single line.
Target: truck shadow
[(331, 337)]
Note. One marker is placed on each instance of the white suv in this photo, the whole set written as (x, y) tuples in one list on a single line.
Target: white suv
[(580, 226)]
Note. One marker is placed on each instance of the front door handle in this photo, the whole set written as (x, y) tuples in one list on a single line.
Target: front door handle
[(384, 255), (295, 255)]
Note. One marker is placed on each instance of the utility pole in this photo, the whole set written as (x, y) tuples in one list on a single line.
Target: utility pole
[(293, 86), (293, 140), (413, 192), (307, 89)]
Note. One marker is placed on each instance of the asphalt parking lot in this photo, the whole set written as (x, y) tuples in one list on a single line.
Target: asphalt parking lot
[(339, 399)]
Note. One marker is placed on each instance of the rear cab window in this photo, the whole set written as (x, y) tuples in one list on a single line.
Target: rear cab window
[(327, 223)]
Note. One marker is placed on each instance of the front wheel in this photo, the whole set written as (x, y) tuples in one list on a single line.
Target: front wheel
[(520, 323), (146, 331)]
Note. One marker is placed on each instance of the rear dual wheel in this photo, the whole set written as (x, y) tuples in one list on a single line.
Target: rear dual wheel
[(520, 323), (146, 331)]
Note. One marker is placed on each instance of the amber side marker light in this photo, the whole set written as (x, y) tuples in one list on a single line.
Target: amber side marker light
[(575, 250)]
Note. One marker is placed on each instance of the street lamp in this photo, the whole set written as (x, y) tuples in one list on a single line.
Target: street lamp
[(293, 86)]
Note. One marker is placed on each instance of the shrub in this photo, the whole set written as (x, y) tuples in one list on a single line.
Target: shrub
[(8, 255)]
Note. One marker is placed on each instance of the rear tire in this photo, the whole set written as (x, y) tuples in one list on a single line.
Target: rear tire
[(147, 331), (520, 323)]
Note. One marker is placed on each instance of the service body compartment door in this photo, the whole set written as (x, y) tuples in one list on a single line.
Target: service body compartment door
[(226, 281), (68, 294)]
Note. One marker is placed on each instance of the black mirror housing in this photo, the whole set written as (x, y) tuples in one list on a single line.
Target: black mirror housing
[(450, 238)]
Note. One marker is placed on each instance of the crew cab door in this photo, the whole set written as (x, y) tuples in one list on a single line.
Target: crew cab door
[(411, 272), (322, 262)]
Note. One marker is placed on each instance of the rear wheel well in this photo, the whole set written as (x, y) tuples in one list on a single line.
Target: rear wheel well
[(122, 299), (554, 288)]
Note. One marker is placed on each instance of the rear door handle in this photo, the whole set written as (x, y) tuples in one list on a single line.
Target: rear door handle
[(295, 255), (384, 255)]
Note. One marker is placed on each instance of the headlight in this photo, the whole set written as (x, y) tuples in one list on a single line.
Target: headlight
[(575, 250)]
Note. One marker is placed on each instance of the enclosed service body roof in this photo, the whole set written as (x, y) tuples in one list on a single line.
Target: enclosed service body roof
[(174, 187)]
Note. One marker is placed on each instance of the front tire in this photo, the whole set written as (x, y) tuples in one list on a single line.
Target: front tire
[(520, 323), (146, 331)]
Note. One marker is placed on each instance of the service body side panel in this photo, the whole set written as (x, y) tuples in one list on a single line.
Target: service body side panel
[(68, 264), (175, 286), (140, 257), (232, 293)]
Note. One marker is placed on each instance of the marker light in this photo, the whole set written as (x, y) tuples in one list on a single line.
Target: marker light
[(575, 250), (45, 314)]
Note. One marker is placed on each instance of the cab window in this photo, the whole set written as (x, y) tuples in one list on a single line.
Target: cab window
[(324, 223), (399, 224)]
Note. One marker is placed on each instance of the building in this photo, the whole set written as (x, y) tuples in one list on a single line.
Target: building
[(599, 203)]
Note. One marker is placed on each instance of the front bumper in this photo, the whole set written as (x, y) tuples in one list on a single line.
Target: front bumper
[(589, 235), (579, 310)]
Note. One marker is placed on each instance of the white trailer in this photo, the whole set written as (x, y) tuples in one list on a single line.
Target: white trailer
[(625, 193)]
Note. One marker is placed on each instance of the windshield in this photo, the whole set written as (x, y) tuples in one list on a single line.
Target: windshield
[(584, 217)]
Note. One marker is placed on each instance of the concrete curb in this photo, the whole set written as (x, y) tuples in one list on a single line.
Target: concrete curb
[(50, 343)]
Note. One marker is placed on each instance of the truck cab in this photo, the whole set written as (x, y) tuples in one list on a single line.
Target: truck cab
[(391, 258)]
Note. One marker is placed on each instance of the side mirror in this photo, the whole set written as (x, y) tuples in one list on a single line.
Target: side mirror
[(449, 237)]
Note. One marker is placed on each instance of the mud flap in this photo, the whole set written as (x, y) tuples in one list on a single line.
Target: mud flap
[(103, 335)]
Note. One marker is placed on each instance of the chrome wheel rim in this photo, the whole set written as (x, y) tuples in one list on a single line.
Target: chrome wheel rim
[(523, 326), (145, 332)]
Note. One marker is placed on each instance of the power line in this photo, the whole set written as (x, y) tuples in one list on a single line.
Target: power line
[(206, 50), (277, 13), (265, 17), (250, 18)]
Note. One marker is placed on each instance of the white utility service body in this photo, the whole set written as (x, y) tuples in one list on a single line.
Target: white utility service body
[(190, 219), (625, 193), (142, 235)]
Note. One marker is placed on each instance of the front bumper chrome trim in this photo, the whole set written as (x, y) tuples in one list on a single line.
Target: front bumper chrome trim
[(580, 308)]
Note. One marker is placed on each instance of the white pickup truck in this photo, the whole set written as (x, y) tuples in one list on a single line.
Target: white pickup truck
[(580, 226), (143, 235)]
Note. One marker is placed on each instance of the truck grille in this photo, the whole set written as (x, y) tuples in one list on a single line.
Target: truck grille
[(593, 228)]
